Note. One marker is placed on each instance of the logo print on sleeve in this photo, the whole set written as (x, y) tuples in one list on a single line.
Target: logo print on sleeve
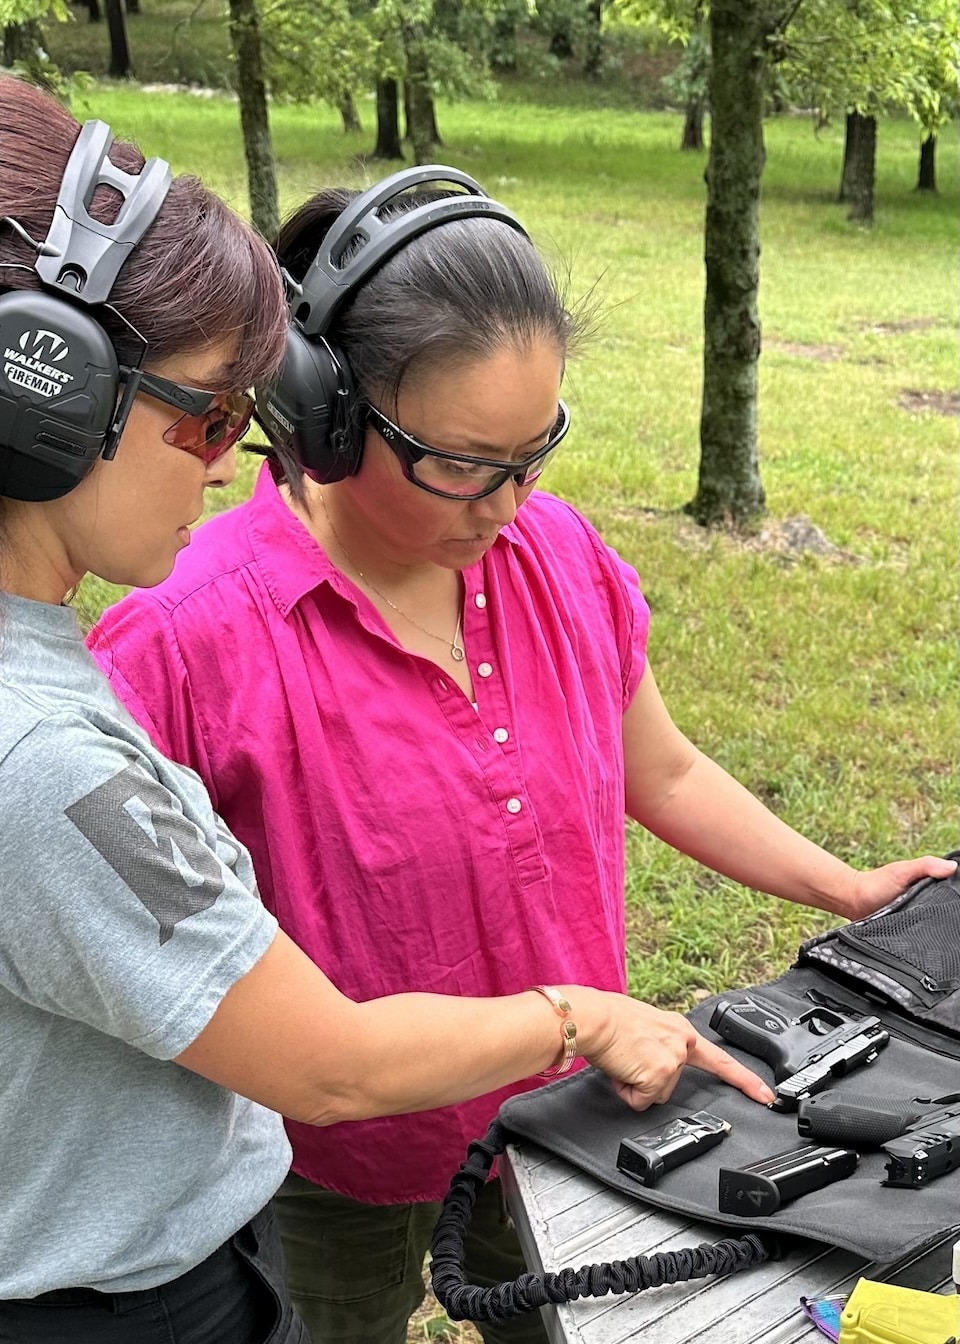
[(134, 824)]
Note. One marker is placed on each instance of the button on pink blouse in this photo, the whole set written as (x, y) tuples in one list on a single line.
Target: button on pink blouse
[(404, 838)]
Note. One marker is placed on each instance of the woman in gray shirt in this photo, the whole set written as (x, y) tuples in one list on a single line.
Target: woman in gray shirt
[(152, 1017)]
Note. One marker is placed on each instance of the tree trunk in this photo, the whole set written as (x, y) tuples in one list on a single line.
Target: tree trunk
[(120, 67), (560, 45), (349, 114), (593, 59), (434, 128), (862, 171), (255, 117), (927, 176), (418, 94), (427, 113), (729, 488), (94, 11), (504, 58), (22, 42), (388, 121), (133, 6), (849, 156), (693, 125)]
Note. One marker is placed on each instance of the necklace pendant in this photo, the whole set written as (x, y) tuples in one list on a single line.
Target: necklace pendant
[(456, 653)]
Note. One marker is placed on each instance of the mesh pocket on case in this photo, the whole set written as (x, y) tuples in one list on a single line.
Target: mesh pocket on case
[(907, 955), (923, 935)]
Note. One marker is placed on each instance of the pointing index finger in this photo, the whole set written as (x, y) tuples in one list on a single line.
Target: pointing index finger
[(705, 1055)]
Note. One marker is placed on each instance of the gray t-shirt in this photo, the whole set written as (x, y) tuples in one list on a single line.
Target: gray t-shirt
[(128, 910)]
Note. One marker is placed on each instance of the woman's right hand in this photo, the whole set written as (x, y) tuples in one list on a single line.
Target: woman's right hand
[(642, 1049), (284, 1036)]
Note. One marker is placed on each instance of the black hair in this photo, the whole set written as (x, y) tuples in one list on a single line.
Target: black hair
[(451, 296)]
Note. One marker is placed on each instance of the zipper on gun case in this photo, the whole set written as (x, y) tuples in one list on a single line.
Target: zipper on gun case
[(927, 990)]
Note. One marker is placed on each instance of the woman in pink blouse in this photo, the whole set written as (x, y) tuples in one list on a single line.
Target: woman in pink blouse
[(417, 689)]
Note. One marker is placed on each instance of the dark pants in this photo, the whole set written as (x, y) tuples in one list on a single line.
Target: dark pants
[(355, 1271), (236, 1296)]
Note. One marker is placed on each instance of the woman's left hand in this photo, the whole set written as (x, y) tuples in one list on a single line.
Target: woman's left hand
[(872, 890)]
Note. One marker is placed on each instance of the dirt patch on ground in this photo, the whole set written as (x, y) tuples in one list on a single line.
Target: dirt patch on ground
[(905, 324), (828, 353), (915, 399), (825, 353), (787, 539), (794, 537)]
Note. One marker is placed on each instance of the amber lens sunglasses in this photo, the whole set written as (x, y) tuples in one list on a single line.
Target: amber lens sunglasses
[(212, 422)]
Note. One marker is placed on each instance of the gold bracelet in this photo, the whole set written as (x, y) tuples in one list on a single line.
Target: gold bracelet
[(568, 1031)]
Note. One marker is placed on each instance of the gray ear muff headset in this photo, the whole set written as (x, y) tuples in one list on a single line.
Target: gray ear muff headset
[(64, 395), (311, 409)]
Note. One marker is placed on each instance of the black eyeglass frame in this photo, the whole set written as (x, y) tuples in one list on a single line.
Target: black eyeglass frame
[(409, 451), (190, 400)]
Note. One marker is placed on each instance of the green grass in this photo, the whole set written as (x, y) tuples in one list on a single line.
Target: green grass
[(170, 42), (827, 684)]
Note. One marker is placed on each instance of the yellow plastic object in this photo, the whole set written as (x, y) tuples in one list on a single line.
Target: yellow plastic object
[(879, 1313)]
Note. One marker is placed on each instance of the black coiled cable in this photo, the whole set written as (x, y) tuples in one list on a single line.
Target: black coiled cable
[(465, 1302)]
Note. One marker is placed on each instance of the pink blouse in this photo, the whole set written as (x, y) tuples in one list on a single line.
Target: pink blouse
[(405, 839)]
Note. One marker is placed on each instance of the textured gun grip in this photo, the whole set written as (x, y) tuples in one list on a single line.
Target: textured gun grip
[(857, 1120)]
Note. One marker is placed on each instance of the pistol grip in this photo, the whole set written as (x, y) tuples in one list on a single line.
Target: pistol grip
[(860, 1121), (755, 1029)]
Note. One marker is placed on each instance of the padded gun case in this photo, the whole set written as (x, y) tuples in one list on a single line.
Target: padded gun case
[(901, 965)]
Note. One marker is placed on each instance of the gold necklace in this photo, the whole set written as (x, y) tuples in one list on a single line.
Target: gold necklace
[(455, 647)]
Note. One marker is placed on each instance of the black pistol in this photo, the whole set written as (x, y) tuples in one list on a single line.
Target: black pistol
[(928, 1150), (805, 1052), (839, 1116), (921, 1137)]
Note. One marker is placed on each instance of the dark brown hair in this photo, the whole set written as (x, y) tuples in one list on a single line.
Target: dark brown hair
[(200, 275)]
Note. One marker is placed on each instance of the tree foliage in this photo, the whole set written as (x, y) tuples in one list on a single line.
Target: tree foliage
[(691, 76), (676, 19), (321, 50), (571, 27), (20, 24), (689, 86), (335, 47), (16, 12), (873, 56)]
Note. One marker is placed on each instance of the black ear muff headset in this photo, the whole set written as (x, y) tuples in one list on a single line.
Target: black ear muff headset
[(64, 394), (311, 410)]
